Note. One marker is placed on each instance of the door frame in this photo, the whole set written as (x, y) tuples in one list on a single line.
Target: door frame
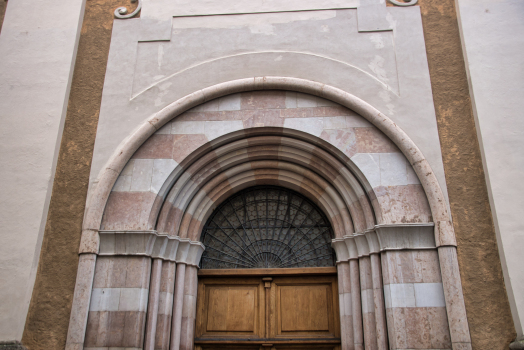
[(266, 276)]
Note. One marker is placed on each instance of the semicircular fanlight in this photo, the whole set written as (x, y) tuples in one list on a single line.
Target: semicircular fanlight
[(267, 227)]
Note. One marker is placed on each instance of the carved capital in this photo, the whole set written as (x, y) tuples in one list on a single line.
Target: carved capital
[(152, 244)]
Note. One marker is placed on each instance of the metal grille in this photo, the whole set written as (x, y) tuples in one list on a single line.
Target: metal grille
[(267, 227)]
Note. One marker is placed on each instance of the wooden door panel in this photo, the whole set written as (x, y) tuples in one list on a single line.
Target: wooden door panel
[(304, 308), (228, 347), (277, 313), (267, 347), (306, 347), (230, 308)]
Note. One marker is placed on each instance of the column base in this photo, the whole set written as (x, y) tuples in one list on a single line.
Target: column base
[(11, 345), (516, 345)]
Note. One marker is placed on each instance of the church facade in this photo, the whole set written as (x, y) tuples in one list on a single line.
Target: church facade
[(335, 174)]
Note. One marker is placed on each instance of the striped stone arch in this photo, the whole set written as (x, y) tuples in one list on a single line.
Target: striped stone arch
[(146, 214)]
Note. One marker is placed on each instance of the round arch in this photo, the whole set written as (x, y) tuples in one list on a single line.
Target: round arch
[(444, 233), (347, 204)]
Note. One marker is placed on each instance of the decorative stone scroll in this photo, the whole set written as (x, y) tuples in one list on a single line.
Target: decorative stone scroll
[(383, 238), (401, 3), (151, 243), (121, 12)]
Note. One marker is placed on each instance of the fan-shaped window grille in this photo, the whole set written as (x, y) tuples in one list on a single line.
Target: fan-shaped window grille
[(267, 227)]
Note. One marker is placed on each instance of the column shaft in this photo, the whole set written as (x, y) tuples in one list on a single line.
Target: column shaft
[(187, 333), (345, 305), (368, 304), (178, 302), (378, 298), (152, 312), (356, 306)]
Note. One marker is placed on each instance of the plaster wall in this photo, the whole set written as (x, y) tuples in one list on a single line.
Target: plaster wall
[(486, 302), (154, 61), (38, 50), (493, 45), (160, 8)]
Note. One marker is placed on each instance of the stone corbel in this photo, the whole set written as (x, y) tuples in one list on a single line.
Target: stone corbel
[(406, 236), (165, 247), (126, 242), (189, 252), (373, 242), (345, 248), (340, 249), (383, 238), (362, 244), (152, 244)]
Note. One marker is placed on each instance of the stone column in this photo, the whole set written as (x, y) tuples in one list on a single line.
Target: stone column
[(117, 311), (187, 258), (112, 292), (187, 334), (178, 302), (373, 246), (81, 299), (349, 292), (358, 333), (346, 314), (165, 306), (414, 297), (378, 298), (368, 304), (152, 313), (455, 307)]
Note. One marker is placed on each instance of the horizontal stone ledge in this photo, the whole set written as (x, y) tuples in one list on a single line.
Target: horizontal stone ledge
[(152, 244), (383, 238)]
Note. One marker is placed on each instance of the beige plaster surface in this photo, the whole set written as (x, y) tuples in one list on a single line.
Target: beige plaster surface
[(493, 44), (438, 27), (38, 47), (160, 9), (145, 76), (49, 312)]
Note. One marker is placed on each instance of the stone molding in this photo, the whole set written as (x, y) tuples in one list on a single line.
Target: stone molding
[(109, 174), (152, 244), (359, 244), (384, 238)]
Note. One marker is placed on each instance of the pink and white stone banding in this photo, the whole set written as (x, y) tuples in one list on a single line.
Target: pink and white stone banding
[(363, 171)]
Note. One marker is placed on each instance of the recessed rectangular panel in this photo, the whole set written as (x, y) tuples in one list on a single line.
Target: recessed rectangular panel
[(304, 308), (231, 308), (299, 312), (306, 347)]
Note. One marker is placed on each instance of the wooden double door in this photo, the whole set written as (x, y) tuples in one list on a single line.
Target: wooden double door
[(267, 309)]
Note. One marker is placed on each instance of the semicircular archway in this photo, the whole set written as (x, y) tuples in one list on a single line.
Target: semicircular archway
[(367, 239), (267, 227)]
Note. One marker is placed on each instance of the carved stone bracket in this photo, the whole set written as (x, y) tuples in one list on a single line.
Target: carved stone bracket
[(121, 12), (401, 3), (151, 243), (383, 238)]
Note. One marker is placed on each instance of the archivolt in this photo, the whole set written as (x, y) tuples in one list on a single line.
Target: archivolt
[(281, 171), (285, 158), (282, 157)]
